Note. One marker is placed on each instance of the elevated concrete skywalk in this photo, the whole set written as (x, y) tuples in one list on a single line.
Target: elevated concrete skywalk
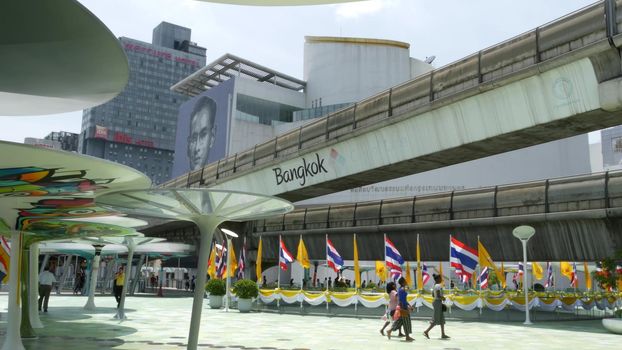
[(576, 219), (559, 80)]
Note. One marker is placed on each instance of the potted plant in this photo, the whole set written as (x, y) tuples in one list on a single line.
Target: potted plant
[(216, 289), (245, 290), (609, 278)]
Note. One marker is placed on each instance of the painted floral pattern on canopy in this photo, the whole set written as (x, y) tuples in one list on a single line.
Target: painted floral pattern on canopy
[(36, 182)]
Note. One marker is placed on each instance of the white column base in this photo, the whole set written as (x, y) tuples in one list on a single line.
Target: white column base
[(90, 303), (33, 310), (12, 339)]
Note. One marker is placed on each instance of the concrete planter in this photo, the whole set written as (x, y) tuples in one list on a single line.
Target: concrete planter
[(613, 325), (215, 301), (245, 305)]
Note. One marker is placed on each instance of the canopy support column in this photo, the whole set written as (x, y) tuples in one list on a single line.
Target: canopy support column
[(206, 225)]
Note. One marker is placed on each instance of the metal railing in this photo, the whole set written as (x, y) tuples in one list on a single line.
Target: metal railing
[(584, 33), (586, 193)]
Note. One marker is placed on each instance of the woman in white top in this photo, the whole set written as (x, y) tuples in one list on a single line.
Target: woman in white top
[(438, 317), (391, 290)]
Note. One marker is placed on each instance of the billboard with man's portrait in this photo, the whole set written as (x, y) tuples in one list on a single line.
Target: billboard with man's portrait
[(202, 129)]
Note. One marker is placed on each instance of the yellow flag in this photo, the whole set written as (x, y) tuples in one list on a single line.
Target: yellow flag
[(486, 260), (232, 266), (502, 280), (381, 270), (419, 272), (409, 280), (357, 270), (302, 256), (258, 262), (474, 277), (538, 271), (440, 272), (566, 269), (211, 265), (588, 278)]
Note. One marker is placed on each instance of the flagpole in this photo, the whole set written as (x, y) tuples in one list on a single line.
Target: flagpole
[(327, 283), (418, 272), (384, 249), (278, 274), (303, 275), (479, 271), (228, 272), (449, 268), (357, 275), (533, 277)]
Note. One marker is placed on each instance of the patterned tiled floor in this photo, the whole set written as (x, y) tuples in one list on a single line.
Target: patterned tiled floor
[(162, 323)]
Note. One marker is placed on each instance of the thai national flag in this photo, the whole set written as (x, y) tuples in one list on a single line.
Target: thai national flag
[(463, 258), (333, 259), (521, 271), (221, 261), (393, 259), (284, 255), (242, 261), (424, 274), (483, 278), (574, 280), (549, 275)]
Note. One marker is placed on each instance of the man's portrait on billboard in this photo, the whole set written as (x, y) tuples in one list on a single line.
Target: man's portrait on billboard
[(202, 132)]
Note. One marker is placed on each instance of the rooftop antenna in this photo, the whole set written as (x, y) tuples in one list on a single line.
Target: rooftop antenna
[(429, 59)]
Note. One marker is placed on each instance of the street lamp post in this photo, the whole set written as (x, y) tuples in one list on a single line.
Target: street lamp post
[(523, 233), (228, 235)]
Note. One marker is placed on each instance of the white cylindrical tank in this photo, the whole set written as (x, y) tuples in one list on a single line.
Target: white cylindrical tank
[(342, 70)]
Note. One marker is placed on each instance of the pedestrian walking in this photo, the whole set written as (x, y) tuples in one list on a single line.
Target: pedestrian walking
[(46, 280), (119, 280), (392, 291), (438, 317), (404, 310)]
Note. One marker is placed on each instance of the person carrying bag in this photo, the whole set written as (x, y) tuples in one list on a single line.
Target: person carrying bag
[(404, 312), (438, 318)]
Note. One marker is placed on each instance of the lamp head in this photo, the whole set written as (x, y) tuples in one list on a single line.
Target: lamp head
[(229, 233), (524, 232)]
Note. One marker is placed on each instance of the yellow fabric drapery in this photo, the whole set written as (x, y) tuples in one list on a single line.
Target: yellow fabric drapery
[(357, 270), (302, 256), (258, 263)]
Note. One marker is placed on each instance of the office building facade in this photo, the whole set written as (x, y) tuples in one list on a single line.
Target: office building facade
[(68, 140), (137, 128), (611, 146)]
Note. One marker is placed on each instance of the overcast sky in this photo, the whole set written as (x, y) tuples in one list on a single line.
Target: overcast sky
[(274, 36)]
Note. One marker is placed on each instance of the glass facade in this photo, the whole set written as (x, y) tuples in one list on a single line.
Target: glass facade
[(137, 128), (317, 112), (257, 110)]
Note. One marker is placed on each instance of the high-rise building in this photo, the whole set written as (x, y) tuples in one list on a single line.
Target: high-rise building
[(137, 128), (611, 146), (68, 140), (42, 143)]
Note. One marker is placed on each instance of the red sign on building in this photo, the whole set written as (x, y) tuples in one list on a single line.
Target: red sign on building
[(101, 132)]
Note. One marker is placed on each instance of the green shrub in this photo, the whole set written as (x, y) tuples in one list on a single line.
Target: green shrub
[(215, 287), (245, 289)]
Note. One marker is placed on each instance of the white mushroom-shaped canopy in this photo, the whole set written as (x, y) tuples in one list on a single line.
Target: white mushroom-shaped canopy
[(56, 56)]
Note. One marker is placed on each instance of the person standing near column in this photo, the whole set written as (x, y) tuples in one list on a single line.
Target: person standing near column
[(119, 279), (46, 280)]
